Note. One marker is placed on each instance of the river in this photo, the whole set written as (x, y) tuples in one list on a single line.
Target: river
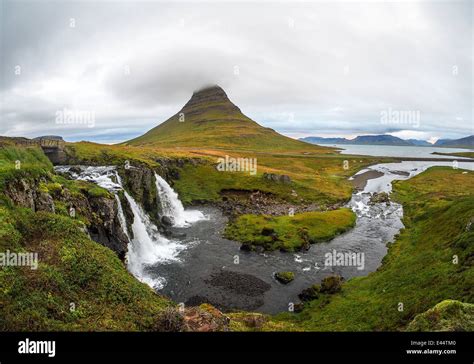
[(205, 267)]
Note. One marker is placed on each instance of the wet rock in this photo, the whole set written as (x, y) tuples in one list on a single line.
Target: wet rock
[(285, 277), (139, 181), (75, 169), (178, 235), (166, 220), (298, 307), (381, 197), (246, 247), (105, 227)]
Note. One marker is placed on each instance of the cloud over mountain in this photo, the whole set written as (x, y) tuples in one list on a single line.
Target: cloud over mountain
[(331, 68)]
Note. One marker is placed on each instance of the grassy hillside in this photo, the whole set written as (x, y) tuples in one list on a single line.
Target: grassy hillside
[(79, 284), (418, 271)]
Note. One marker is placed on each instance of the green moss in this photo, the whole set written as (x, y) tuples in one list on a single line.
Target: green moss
[(289, 233), (448, 315), (285, 277), (96, 191)]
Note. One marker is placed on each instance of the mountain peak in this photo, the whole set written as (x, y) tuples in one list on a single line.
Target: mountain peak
[(210, 120), (210, 89), (212, 96)]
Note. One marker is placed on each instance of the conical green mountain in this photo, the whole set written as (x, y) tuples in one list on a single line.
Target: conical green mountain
[(210, 120)]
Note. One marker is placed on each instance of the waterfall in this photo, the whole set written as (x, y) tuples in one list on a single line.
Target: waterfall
[(121, 216), (147, 247), (172, 206)]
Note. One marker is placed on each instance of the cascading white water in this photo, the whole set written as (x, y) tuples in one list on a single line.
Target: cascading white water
[(147, 247), (121, 216), (172, 206)]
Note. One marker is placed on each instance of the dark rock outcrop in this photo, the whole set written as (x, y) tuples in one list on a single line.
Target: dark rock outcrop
[(381, 197), (105, 228), (281, 178), (239, 202), (101, 213), (139, 181)]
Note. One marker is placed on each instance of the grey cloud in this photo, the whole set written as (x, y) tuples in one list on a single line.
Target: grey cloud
[(334, 67)]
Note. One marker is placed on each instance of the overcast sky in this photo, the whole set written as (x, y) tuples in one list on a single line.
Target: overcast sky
[(317, 68)]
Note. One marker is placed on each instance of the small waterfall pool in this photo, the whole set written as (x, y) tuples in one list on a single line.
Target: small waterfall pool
[(205, 267)]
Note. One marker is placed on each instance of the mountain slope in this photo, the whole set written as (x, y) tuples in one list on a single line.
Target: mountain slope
[(321, 140), (360, 140), (210, 120), (419, 142), (379, 140), (467, 142)]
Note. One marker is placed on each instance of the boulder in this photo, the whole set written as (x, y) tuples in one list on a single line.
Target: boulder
[(166, 220), (44, 202), (381, 197), (285, 277), (281, 178)]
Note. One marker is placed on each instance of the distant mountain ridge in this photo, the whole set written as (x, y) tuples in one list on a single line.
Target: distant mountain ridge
[(467, 142), (419, 142), (360, 140)]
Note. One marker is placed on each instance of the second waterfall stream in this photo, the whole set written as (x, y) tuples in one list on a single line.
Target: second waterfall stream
[(147, 247), (172, 206)]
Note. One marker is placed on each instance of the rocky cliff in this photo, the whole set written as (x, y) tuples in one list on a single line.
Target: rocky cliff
[(98, 213)]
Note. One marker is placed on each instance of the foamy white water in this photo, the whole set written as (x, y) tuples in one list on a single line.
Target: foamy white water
[(147, 247), (121, 216), (172, 206)]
